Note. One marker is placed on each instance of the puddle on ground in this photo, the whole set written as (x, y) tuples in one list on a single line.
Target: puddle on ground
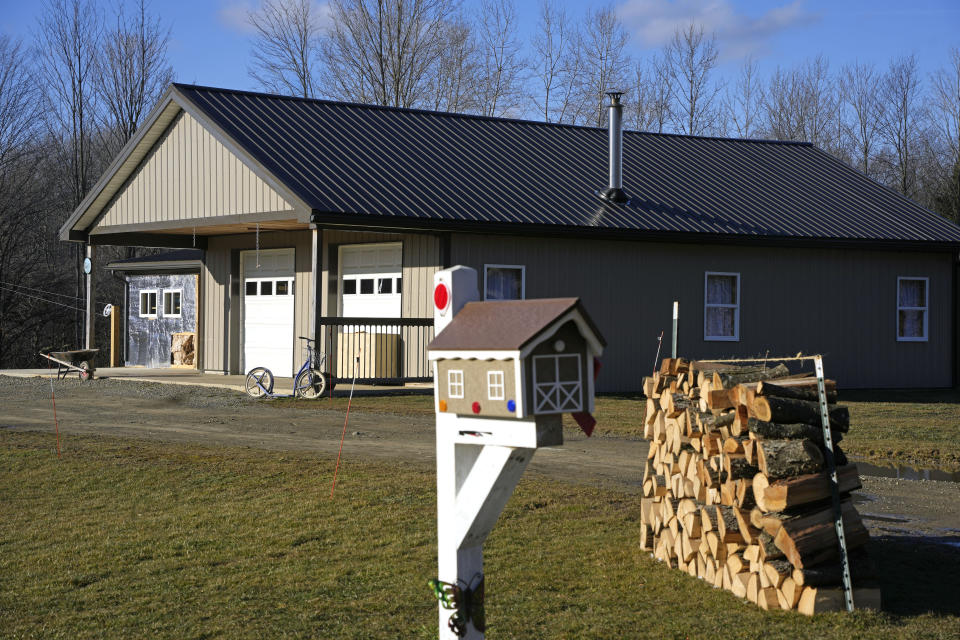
[(879, 518), (901, 472)]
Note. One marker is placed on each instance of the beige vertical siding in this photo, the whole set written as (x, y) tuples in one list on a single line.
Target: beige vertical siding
[(839, 302), (421, 259), (189, 174), (221, 312)]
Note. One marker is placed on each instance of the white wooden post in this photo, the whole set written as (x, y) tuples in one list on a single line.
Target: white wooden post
[(90, 312), (477, 471)]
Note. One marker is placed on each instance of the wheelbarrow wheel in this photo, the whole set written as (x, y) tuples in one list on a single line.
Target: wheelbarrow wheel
[(85, 371), (259, 382)]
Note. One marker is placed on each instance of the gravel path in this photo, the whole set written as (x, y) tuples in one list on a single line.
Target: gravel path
[(906, 509)]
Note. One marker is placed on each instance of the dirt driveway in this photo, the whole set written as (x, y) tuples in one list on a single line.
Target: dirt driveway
[(900, 508)]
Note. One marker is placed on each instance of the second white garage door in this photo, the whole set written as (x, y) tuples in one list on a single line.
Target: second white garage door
[(370, 276), (268, 298)]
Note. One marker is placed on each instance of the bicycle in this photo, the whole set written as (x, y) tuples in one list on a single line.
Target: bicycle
[(309, 383)]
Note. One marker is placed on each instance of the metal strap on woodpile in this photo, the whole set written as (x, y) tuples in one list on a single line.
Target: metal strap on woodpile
[(834, 487)]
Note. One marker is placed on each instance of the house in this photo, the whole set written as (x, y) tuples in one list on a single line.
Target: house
[(517, 358), (769, 247), (161, 300)]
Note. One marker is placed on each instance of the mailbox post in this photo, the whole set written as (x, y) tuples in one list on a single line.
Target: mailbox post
[(504, 373)]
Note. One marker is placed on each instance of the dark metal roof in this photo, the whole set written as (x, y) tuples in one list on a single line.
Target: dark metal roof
[(505, 324), (381, 166), (179, 260)]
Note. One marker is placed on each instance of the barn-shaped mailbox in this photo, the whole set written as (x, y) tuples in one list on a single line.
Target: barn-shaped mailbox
[(517, 359)]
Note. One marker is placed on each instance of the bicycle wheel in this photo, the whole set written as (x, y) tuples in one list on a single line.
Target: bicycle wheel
[(310, 385), (259, 382)]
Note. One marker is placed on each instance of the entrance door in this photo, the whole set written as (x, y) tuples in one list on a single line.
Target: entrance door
[(370, 280), (268, 310)]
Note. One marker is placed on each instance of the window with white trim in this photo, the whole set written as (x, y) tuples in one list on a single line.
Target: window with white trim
[(495, 385), (171, 303), (455, 383), (912, 306), (721, 307), (148, 304), (504, 282)]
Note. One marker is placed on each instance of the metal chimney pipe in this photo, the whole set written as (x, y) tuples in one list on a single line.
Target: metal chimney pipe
[(614, 193)]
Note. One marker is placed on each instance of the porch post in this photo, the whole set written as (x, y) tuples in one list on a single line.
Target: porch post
[(316, 295), (89, 324)]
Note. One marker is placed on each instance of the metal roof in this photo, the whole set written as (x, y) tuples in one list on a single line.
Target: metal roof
[(178, 260), (381, 166)]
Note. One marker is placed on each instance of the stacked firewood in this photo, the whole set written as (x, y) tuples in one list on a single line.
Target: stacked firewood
[(736, 490)]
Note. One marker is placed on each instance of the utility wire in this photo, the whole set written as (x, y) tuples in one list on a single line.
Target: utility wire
[(36, 290), (59, 304)]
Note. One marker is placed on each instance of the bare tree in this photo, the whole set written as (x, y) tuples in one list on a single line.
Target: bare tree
[(605, 65), (134, 72), (551, 44), (945, 108), (648, 106), (18, 103), (801, 104), (901, 125), (286, 47), (456, 71), (743, 103), (501, 65), (67, 45), (691, 58), (859, 93), (384, 51)]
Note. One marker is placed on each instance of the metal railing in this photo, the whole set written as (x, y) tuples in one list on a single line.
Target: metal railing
[(377, 350)]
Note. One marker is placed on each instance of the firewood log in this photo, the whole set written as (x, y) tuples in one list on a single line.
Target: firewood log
[(804, 389), (738, 467), (777, 571), (768, 548), (822, 599), (787, 458), (788, 410), (797, 431), (792, 492), (862, 570), (727, 380), (806, 544)]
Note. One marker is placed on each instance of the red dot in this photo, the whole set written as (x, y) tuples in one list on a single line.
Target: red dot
[(476, 407), (440, 296)]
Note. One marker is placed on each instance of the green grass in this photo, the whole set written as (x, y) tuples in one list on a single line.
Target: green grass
[(127, 538), (920, 428)]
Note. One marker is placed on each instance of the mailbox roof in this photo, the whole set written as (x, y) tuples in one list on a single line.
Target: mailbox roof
[(506, 325)]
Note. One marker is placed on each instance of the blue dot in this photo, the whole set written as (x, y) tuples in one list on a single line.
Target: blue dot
[(511, 406)]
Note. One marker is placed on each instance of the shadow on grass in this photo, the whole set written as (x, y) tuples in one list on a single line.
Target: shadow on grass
[(915, 396), (917, 574)]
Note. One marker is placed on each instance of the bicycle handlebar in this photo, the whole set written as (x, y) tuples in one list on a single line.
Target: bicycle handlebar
[(306, 338)]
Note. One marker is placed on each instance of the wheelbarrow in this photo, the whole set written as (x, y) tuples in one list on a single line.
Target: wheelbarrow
[(80, 360)]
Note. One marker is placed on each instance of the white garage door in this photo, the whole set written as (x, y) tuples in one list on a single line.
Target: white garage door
[(268, 311), (370, 280)]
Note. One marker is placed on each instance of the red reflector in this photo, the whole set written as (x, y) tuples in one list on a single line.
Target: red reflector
[(440, 296), (476, 407)]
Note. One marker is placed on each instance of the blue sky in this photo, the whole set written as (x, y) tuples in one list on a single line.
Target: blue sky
[(210, 44)]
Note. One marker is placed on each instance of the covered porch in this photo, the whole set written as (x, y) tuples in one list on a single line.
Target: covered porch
[(270, 274)]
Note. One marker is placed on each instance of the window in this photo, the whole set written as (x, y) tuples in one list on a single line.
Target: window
[(912, 303), (495, 385), (455, 383), (349, 287), (384, 285), (503, 282), (399, 288), (283, 287), (721, 309), (366, 286), (148, 304), (251, 287), (171, 303), (266, 288)]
